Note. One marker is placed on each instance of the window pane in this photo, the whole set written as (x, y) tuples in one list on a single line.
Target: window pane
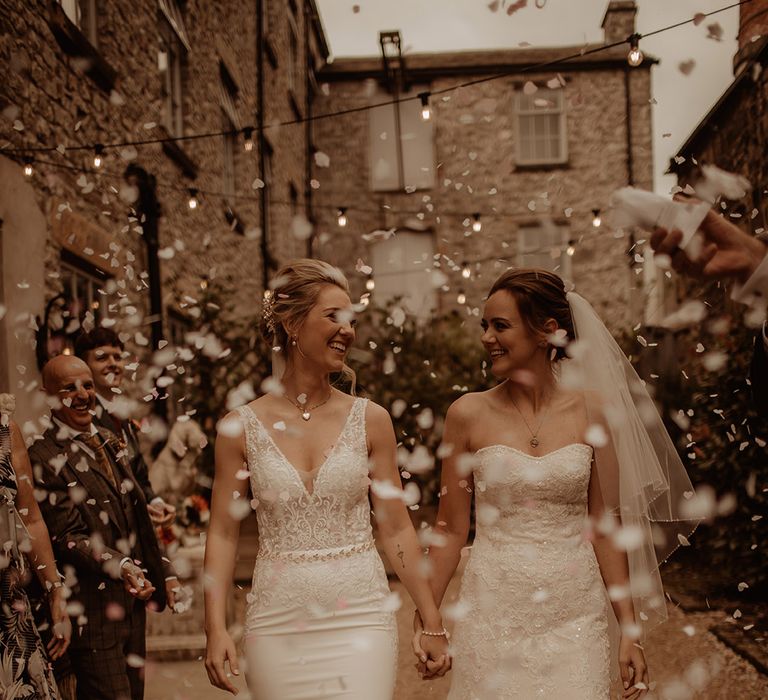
[(402, 268), (540, 127), (417, 146), (383, 148)]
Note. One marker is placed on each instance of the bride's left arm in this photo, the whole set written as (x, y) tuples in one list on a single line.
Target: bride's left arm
[(614, 565), (395, 530)]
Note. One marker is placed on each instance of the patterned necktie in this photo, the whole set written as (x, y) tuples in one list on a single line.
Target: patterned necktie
[(96, 444)]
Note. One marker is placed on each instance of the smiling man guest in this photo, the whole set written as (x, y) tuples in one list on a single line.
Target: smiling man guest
[(97, 516), (102, 350)]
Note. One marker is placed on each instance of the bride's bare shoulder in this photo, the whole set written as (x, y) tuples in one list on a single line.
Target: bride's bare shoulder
[(469, 405)]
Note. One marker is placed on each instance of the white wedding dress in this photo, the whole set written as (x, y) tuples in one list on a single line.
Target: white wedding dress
[(318, 623), (533, 608)]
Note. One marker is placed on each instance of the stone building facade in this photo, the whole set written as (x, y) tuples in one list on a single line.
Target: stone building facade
[(87, 72), (533, 153), (733, 135)]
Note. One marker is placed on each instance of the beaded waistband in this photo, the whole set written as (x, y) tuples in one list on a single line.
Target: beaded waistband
[(319, 554)]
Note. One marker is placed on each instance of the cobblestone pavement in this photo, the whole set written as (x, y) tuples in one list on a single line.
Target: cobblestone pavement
[(685, 660)]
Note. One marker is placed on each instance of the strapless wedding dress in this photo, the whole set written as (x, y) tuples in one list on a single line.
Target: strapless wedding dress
[(533, 610), (318, 624)]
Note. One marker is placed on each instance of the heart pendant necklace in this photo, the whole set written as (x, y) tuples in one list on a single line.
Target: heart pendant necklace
[(304, 410)]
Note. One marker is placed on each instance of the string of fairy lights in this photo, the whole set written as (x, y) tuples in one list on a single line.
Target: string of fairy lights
[(474, 220)]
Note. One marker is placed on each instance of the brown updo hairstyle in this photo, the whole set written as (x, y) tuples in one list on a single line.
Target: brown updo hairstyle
[(540, 295), (294, 291)]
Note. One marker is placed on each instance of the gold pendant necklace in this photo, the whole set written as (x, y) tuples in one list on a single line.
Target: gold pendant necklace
[(534, 441), (305, 411)]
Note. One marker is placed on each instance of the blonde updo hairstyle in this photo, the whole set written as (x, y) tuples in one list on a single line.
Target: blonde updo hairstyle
[(294, 291)]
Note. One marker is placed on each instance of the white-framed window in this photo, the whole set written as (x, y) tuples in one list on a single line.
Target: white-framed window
[(402, 267), (82, 13), (545, 245), (541, 128), (174, 46), (401, 152)]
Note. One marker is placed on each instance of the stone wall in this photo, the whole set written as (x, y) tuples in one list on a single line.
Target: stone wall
[(47, 98), (475, 155)]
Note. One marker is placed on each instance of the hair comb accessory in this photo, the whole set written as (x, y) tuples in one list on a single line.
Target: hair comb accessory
[(267, 310)]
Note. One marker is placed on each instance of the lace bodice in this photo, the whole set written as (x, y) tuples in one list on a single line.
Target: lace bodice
[(520, 498), (328, 512), (536, 620)]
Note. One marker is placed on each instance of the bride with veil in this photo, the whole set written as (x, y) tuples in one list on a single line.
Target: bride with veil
[(579, 495)]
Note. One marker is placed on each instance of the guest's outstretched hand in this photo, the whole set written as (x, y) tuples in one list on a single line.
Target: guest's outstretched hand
[(161, 514), (135, 582), (727, 251)]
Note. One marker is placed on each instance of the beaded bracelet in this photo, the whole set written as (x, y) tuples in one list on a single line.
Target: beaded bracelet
[(444, 633)]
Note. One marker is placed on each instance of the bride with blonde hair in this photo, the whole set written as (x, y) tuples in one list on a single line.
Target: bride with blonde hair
[(320, 619)]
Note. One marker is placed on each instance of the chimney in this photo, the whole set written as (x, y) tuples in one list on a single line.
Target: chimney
[(619, 20), (753, 30)]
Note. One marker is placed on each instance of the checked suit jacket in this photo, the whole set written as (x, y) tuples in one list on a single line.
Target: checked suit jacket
[(93, 527), (122, 427)]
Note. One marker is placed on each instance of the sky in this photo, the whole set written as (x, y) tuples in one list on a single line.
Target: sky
[(682, 97)]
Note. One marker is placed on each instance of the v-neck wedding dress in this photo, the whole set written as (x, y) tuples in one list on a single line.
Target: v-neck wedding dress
[(318, 624)]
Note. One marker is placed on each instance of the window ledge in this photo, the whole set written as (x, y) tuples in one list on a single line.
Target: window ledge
[(527, 167), (179, 156), (75, 44)]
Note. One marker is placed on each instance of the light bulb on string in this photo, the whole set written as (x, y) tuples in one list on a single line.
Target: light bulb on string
[(426, 111), (477, 225), (370, 284), (596, 220), (342, 217), (97, 156), (248, 139), (635, 55), (192, 202), (461, 298), (571, 249), (28, 170), (466, 270)]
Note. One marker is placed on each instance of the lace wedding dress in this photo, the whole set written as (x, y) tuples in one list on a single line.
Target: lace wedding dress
[(534, 620), (317, 624)]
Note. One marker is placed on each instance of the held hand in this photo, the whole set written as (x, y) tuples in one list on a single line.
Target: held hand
[(727, 251), (135, 582), (634, 671), (432, 652), (161, 514), (219, 650), (61, 626), (438, 655)]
